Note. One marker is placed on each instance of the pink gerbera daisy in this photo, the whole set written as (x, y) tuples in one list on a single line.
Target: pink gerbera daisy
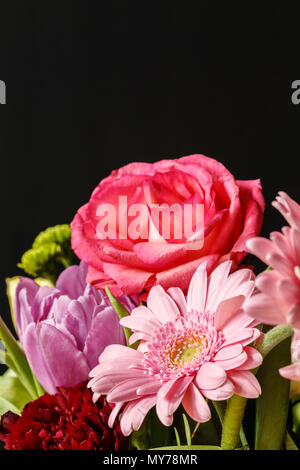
[(190, 350), (278, 299)]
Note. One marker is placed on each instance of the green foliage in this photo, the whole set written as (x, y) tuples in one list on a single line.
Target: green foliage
[(13, 395), (14, 357), (50, 249), (121, 312), (272, 405)]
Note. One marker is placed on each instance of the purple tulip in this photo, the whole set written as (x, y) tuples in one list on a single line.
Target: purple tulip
[(64, 329)]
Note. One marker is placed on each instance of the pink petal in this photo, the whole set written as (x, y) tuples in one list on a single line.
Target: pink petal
[(161, 304), (243, 336), (127, 390), (293, 315), (261, 247), (116, 351), (114, 414), (234, 362), (289, 290), (129, 280), (134, 414), (160, 255), (195, 405), (228, 352), (140, 324), (196, 296), (267, 282), (215, 281), (280, 263), (53, 357), (210, 376), (181, 276), (291, 372), (283, 244), (223, 392), (295, 239), (254, 359), (237, 322), (245, 383), (264, 309), (170, 401), (226, 309), (179, 298)]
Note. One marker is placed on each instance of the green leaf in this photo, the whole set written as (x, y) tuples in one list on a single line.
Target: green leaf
[(272, 405), (188, 448), (177, 437), (17, 359), (121, 312), (187, 429), (289, 442), (13, 395)]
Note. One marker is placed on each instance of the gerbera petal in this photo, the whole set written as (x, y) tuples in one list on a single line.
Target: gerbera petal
[(228, 352), (215, 281), (195, 405), (233, 362), (179, 298), (210, 376), (243, 336), (114, 414), (161, 304), (264, 309), (127, 390), (134, 414), (245, 383), (261, 247), (196, 296), (223, 392), (254, 359), (291, 372), (226, 309)]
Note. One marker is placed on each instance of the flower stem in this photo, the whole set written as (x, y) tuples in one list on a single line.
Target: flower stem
[(233, 422), (236, 405), (275, 336)]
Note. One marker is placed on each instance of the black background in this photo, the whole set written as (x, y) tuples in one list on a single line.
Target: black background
[(94, 85)]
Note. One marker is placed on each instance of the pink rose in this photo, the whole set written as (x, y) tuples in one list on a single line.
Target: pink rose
[(233, 213)]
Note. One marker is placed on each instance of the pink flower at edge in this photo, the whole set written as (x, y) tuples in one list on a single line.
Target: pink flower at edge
[(190, 350), (233, 212), (278, 297), (292, 372)]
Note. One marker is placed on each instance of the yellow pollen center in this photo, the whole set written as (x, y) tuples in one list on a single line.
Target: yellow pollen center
[(188, 353), (184, 348)]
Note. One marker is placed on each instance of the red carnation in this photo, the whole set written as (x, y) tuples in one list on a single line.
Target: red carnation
[(68, 420)]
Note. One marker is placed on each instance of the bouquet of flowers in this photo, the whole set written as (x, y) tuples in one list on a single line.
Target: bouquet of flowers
[(142, 324)]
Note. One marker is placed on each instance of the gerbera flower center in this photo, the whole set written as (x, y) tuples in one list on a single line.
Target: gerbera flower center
[(184, 347), (180, 348)]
